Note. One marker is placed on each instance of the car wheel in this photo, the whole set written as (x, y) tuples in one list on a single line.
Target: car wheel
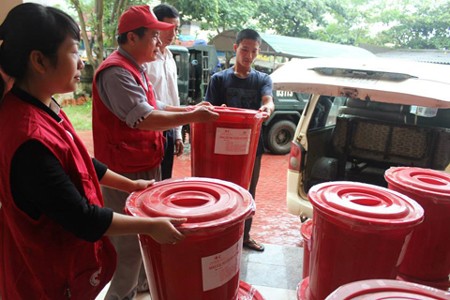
[(279, 137)]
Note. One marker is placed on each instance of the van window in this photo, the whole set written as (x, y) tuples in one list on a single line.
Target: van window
[(337, 103), (326, 111)]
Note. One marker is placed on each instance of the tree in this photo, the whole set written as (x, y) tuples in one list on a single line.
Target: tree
[(422, 26), (215, 15), (98, 27), (291, 17), (346, 22), (419, 24)]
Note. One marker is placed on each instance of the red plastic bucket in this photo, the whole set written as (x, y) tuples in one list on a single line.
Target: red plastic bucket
[(226, 149), (427, 257), (376, 289), (442, 285), (302, 289), (205, 265), (306, 231), (248, 292), (359, 233)]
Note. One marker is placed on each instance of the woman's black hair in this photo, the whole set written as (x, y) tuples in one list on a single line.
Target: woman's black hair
[(29, 27)]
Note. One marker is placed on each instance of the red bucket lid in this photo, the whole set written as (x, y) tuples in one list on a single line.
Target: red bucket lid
[(206, 203), (365, 204), (375, 289), (418, 180), (247, 292), (234, 114)]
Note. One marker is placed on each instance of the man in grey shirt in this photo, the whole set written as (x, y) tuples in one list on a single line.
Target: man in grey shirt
[(127, 125)]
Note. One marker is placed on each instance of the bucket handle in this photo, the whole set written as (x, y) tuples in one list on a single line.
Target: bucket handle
[(258, 115), (262, 115)]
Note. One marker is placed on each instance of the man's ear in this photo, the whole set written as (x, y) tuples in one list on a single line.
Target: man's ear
[(7, 82), (38, 61), (235, 47), (131, 37)]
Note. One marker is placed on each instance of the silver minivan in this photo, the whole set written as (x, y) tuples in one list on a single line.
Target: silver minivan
[(362, 117)]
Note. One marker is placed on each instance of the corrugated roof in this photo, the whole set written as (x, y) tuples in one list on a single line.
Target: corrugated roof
[(306, 48), (279, 45), (430, 56)]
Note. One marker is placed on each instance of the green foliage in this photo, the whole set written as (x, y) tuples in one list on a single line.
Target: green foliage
[(417, 24), (426, 27), (206, 12), (215, 15), (112, 11), (98, 21), (291, 17), (236, 14), (339, 25), (80, 115)]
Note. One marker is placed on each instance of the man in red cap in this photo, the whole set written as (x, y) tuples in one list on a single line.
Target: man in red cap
[(128, 124)]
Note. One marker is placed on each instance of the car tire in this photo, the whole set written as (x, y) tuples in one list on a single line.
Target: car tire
[(279, 137)]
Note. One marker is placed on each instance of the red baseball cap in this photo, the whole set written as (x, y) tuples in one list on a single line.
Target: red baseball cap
[(140, 16)]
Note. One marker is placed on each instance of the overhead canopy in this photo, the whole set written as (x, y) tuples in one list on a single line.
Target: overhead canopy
[(290, 47)]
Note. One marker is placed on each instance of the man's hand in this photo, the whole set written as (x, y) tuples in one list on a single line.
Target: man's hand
[(178, 147), (204, 103), (205, 113), (267, 108)]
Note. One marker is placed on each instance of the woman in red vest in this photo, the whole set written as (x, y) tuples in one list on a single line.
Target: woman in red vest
[(54, 228)]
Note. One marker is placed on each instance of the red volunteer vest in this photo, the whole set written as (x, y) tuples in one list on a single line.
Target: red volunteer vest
[(41, 260), (124, 149)]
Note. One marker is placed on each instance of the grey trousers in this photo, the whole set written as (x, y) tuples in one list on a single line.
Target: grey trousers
[(129, 274)]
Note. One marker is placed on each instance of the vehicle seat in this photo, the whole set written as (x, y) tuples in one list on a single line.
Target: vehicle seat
[(375, 110), (389, 142)]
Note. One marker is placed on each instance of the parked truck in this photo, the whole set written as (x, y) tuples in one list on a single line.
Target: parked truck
[(196, 64)]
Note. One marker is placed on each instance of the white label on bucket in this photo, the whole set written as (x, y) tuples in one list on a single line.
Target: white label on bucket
[(219, 268), (232, 141)]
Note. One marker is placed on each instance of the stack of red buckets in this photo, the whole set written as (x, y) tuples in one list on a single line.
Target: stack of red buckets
[(427, 258), (361, 232), (358, 232)]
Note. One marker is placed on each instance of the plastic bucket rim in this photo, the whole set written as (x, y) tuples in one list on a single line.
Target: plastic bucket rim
[(350, 290), (215, 224), (413, 217), (239, 114), (409, 179)]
